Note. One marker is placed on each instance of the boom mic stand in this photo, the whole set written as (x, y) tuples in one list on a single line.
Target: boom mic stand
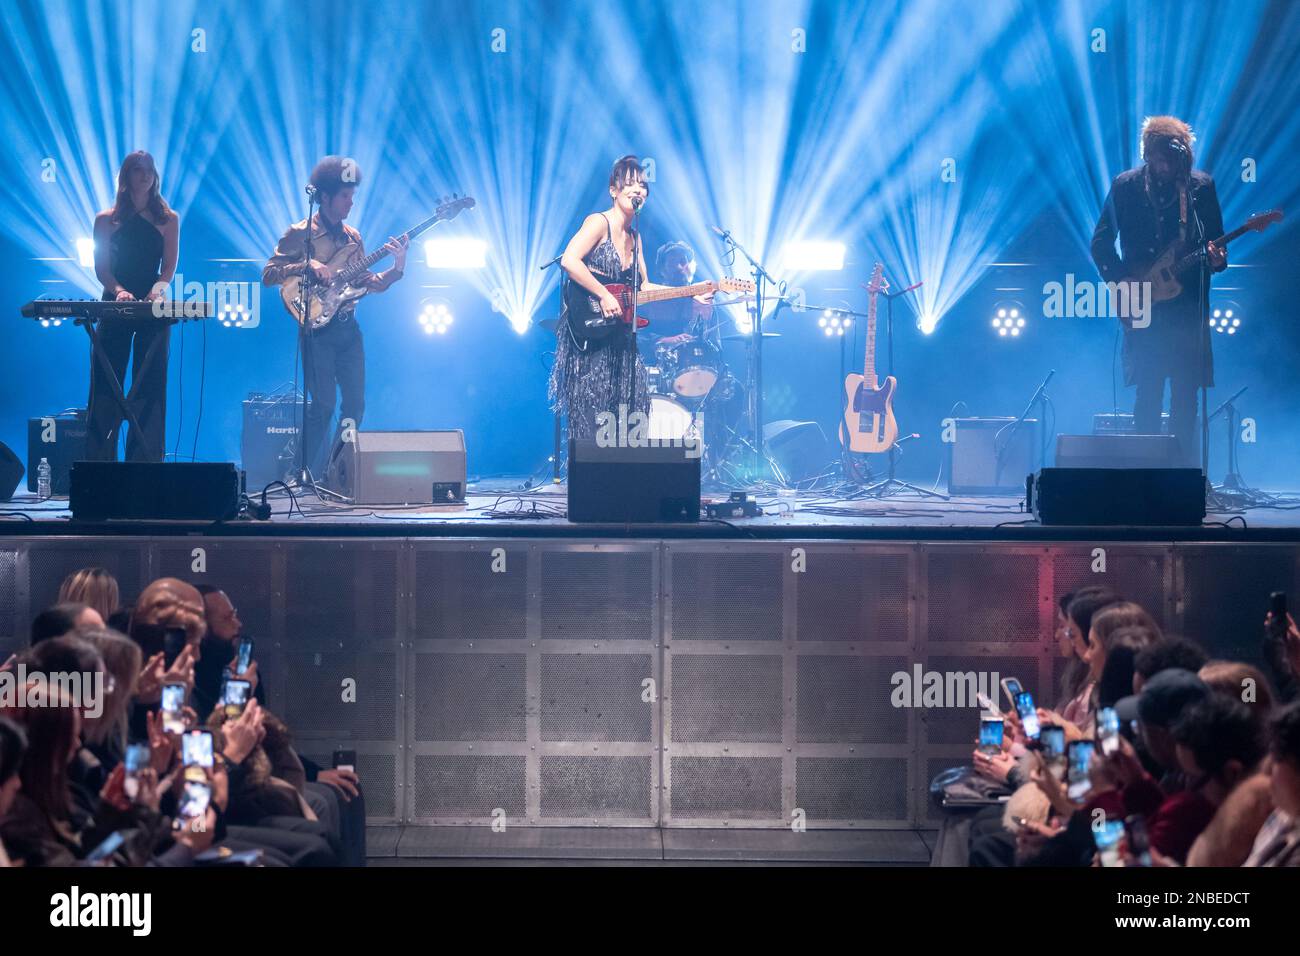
[(761, 276), (305, 334), (1233, 486)]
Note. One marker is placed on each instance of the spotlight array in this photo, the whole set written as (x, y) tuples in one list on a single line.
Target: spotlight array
[(1009, 320), (1226, 319), (234, 315), (436, 318), (833, 322)]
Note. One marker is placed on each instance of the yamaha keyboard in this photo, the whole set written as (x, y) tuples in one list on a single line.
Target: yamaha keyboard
[(166, 310)]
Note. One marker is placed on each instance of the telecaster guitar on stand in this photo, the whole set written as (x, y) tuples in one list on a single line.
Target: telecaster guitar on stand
[(327, 298), (868, 424)]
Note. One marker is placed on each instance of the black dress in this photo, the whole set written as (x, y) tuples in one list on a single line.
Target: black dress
[(135, 258), (607, 372)]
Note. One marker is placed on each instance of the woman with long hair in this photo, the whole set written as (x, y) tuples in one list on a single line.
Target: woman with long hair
[(597, 368), (94, 587), (137, 242)]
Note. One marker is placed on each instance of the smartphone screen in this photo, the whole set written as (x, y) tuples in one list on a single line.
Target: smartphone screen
[(173, 699), (1108, 730), (235, 696), (137, 757), (1052, 741), (1107, 839), (1139, 841), (244, 656), (1079, 754), (107, 848), (194, 801), (1028, 715), (196, 748), (991, 729)]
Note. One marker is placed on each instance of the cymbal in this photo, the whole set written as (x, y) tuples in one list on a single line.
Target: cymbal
[(739, 300), (738, 336)]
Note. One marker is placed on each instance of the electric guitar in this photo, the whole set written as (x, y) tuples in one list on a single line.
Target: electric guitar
[(1165, 274), (348, 266), (868, 424), (588, 322)]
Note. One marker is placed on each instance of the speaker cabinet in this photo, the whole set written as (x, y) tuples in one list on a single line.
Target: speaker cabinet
[(633, 485), (1139, 497), (400, 468), (1116, 451), (60, 440), (990, 456), (154, 491), (11, 472)]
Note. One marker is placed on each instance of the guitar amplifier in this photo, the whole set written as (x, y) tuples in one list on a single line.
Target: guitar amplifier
[(1116, 451), (269, 443), (59, 439), (400, 468), (986, 458)]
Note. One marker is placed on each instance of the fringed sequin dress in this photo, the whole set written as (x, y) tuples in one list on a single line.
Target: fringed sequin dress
[(605, 373)]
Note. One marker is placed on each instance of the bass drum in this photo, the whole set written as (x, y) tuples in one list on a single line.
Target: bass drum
[(694, 369), (670, 420)]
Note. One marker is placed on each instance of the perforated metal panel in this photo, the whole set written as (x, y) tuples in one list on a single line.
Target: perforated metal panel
[(727, 594), (601, 594), (840, 790), (468, 787), (1225, 611), (848, 699), (595, 697), (853, 596), (49, 561), (727, 698), (13, 629), (341, 593), (469, 697), (474, 592), (1141, 574), (598, 789), (983, 594), (726, 788), (246, 570)]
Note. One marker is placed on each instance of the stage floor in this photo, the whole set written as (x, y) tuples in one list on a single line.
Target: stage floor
[(503, 506)]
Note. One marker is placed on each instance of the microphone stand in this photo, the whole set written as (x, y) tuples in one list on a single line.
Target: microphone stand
[(883, 489), (1040, 398), (305, 333), (559, 330), (755, 411)]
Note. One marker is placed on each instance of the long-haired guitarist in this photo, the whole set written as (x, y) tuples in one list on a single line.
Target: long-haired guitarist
[(1164, 203), (137, 242), (334, 355), (597, 368)]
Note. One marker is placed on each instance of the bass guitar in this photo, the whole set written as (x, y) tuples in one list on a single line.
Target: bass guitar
[(347, 266)]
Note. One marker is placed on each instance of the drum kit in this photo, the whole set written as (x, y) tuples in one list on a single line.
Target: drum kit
[(693, 394)]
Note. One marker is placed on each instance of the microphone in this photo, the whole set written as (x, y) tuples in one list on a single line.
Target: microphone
[(721, 232), (638, 202), (311, 191)]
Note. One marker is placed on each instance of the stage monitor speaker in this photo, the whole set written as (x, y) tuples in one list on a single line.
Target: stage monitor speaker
[(621, 485), (400, 468), (1139, 497), (798, 448), (11, 472), (59, 439), (154, 491), (269, 442), (988, 457), (1116, 451)]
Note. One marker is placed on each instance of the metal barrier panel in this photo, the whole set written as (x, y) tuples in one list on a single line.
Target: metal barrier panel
[(654, 682)]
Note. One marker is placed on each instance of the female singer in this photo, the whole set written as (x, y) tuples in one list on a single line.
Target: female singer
[(602, 372), (136, 246)]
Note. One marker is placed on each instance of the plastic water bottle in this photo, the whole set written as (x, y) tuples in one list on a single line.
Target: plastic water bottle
[(43, 479)]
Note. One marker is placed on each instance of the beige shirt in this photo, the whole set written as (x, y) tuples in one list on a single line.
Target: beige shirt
[(290, 257)]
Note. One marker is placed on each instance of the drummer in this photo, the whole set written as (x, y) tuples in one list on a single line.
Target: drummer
[(676, 321)]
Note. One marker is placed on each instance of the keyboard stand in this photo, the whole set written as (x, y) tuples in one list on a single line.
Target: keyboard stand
[(115, 383)]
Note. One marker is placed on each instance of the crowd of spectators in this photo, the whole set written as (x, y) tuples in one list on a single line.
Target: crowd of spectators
[(147, 760), (1170, 758)]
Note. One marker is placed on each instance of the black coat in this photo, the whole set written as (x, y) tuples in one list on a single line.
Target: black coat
[(1178, 329)]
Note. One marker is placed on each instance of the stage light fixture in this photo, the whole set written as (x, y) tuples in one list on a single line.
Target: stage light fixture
[(833, 322), (1009, 319), (435, 317), (1226, 318), (457, 253)]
